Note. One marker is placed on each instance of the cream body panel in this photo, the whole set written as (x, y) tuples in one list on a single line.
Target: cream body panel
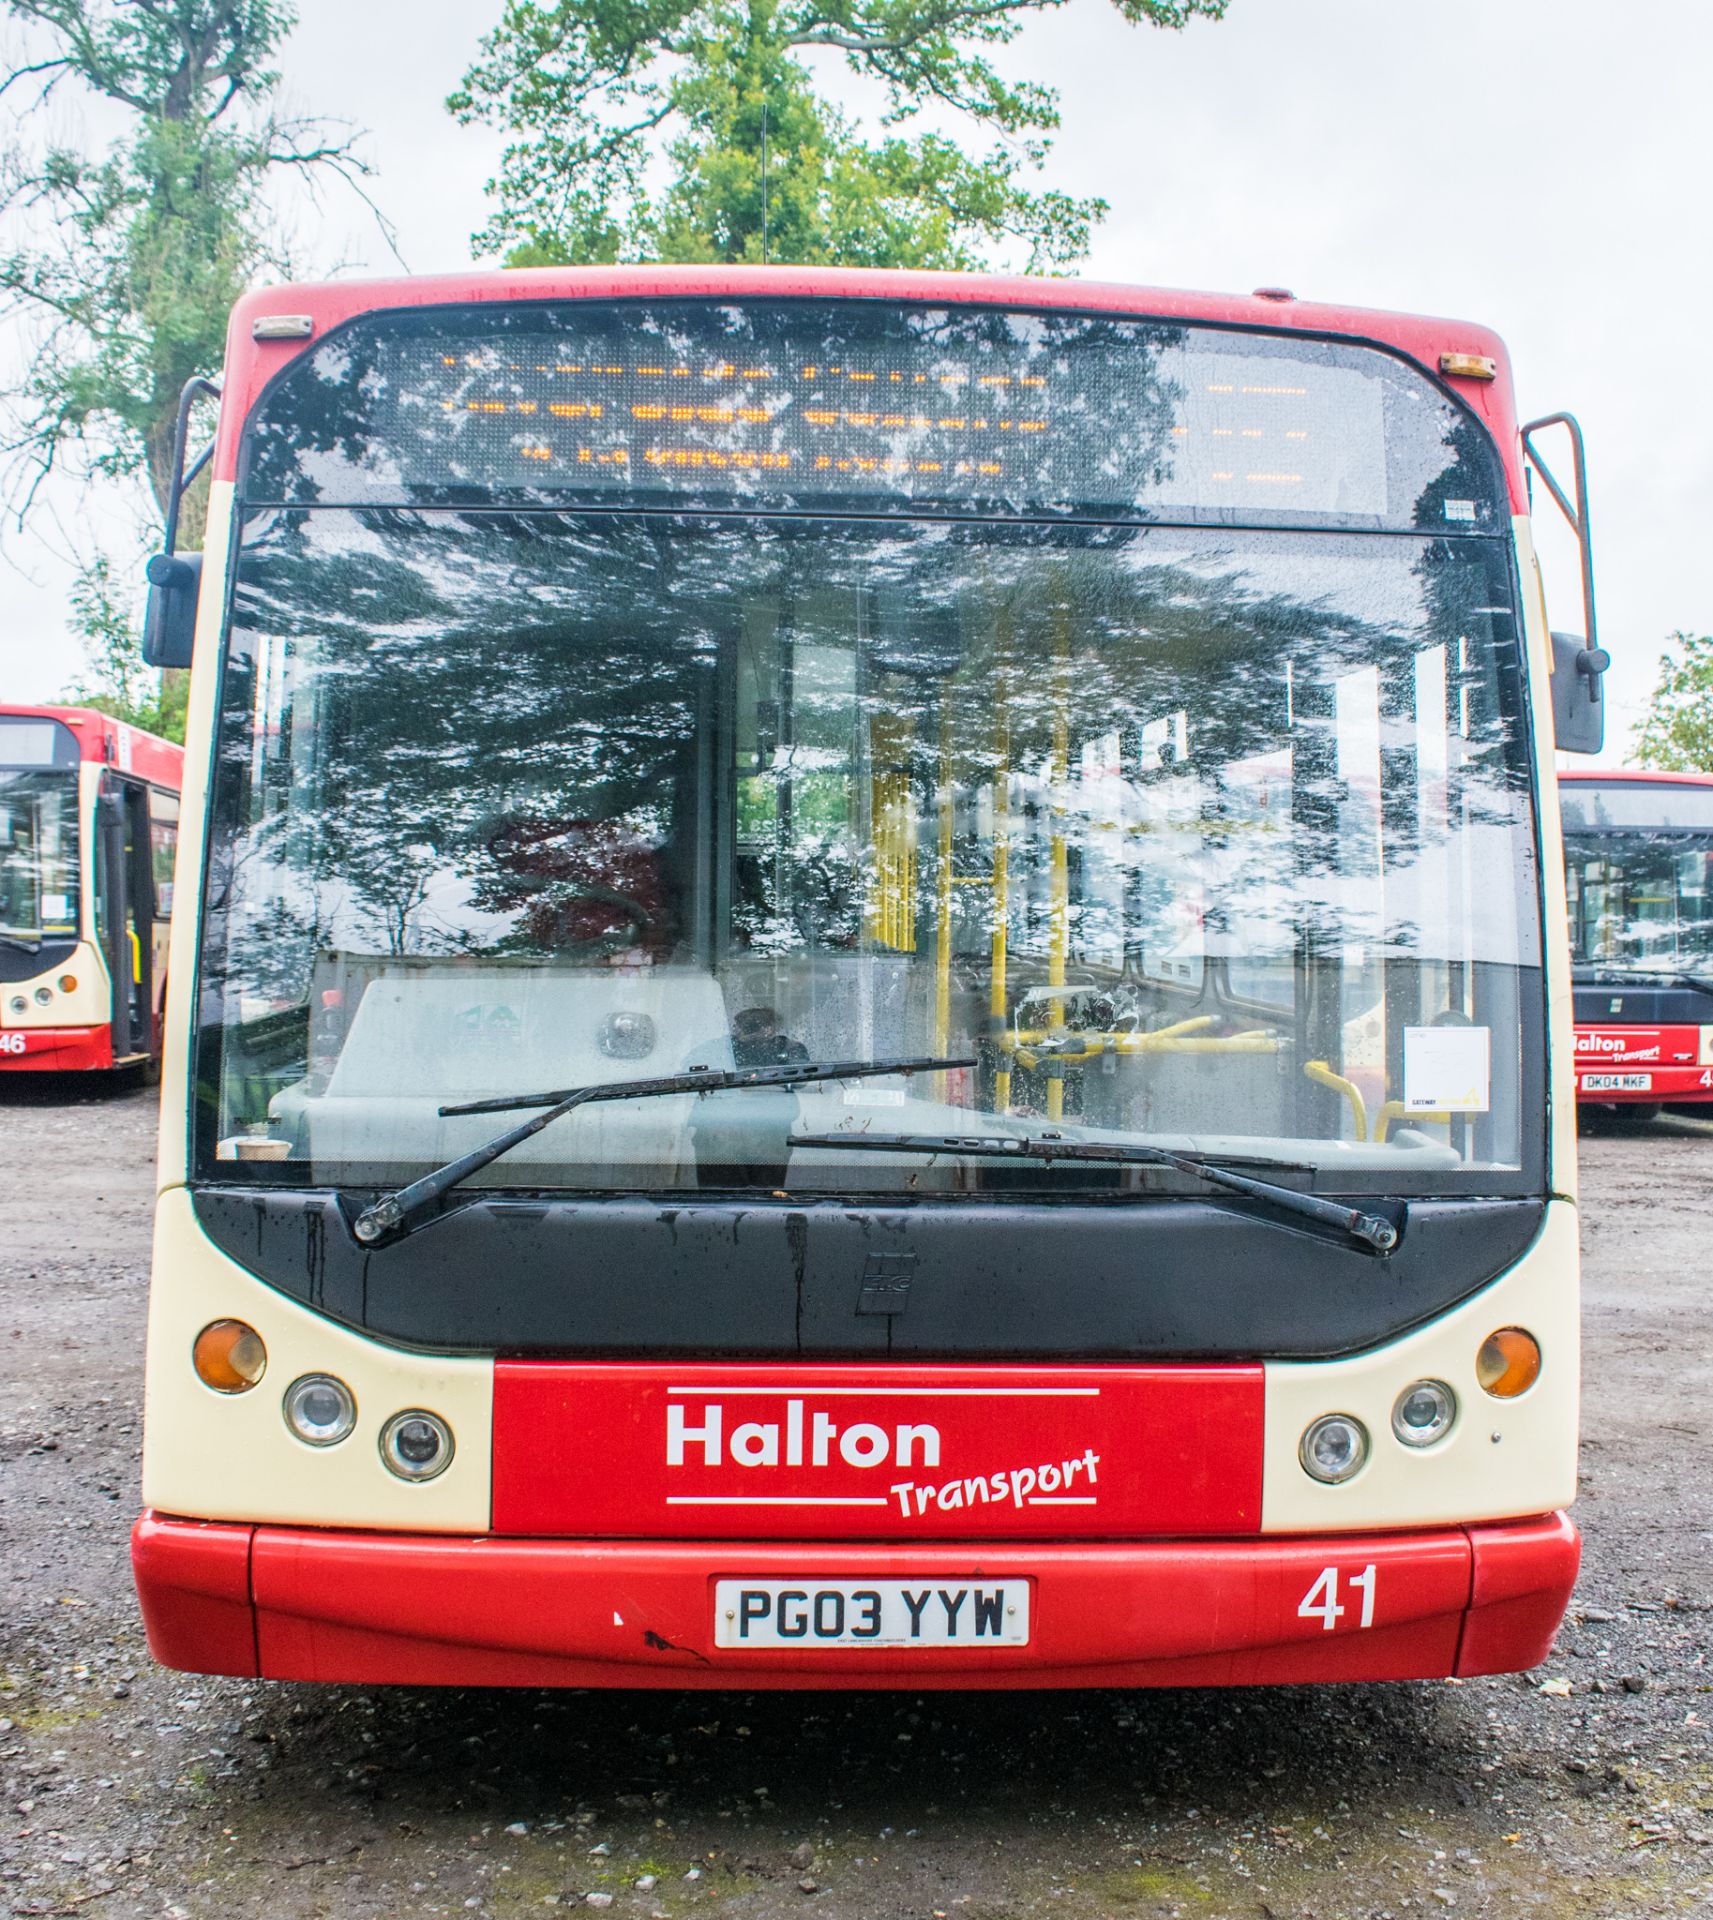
[(1560, 1018), (89, 1005), (1501, 1460), (173, 1158), (221, 1456)]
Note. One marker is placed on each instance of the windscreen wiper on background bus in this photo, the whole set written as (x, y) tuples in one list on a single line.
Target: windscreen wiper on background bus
[(392, 1210), (23, 946), (1372, 1230)]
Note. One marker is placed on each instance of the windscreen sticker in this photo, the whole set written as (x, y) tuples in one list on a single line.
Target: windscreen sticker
[(56, 906), (1447, 1069)]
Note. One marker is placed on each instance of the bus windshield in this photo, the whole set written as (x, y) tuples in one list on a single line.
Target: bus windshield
[(38, 856), (1638, 860), (1182, 833)]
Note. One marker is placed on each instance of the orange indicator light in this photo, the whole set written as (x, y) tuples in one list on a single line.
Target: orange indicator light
[(1509, 1363), (1469, 366), (229, 1356)]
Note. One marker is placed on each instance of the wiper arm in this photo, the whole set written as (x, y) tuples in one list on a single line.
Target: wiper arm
[(392, 1210), (1698, 981), (1373, 1230), (23, 946)]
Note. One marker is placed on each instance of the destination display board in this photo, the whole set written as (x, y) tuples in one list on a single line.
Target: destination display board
[(856, 402)]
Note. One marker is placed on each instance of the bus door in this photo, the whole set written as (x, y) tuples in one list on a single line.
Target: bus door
[(125, 910)]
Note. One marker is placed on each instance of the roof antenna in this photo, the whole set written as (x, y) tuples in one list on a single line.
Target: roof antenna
[(764, 183)]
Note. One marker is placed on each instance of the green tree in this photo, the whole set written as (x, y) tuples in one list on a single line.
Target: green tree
[(759, 165), (122, 257), (1676, 736), (115, 679)]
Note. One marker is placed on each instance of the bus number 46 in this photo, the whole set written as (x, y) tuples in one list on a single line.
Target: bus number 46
[(1321, 1601)]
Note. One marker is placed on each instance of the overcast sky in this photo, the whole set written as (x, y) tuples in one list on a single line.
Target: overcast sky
[(1541, 166)]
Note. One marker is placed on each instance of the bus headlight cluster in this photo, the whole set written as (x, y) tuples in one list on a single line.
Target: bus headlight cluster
[(320, 1409), (416, 1445), (1334, 1448)]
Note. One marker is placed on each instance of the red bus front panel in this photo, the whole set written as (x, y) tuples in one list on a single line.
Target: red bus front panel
[(861, 1453), (418, 1610), (1636, 1063)]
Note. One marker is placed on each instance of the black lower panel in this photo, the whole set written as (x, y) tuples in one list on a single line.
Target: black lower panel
[(1161, 1278)]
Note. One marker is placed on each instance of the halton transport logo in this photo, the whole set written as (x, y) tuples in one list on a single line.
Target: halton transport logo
[(1613, 1046), (823, 1452)]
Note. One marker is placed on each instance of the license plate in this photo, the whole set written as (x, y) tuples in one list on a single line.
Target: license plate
[(1617, 1082), (871, 1613)]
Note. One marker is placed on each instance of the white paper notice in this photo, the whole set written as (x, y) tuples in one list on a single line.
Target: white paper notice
[(1446, 1069), (55, 906)]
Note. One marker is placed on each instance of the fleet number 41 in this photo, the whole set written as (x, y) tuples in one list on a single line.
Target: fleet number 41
[(1321, 1601)]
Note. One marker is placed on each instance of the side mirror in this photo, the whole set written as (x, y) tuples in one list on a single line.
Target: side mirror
[(169, 621), (1578, 712)]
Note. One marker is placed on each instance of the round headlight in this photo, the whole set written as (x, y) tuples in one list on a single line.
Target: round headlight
[(20, 1004), (228, 1356), (1334, 1448), (44, 996), (416, 1445), (1423, 1413), (319, 1409), (1509, 1363)]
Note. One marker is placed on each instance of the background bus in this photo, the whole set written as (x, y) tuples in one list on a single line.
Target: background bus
[(1638, 869), (637, 680), (88, 833)]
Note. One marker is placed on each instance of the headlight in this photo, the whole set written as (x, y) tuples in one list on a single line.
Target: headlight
[(1334, 1448), (319, 1409), (416, 1445), (1509, 1363), (44, 996), (1424, 1412), (228, 1356)]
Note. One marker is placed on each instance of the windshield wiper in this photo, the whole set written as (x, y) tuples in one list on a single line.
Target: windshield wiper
[(1698, 981), (23, 946), (1373, 1230), (392, 1210)]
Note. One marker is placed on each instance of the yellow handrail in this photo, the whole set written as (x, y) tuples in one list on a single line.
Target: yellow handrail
[(1396, 1110), (1323, 1075)]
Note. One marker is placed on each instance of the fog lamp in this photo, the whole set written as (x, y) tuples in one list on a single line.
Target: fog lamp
[(319, 1409), (1509, 1363), (1423, 1413), (44, 996), (1334, 1448), (229, 1356), (416, 1445)]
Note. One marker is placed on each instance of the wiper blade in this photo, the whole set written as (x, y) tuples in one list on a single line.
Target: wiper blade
[(1372, 1230), (392, 1210), (1699, 982), (23, 946)]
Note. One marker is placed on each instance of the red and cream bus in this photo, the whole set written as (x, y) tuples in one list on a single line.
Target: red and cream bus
[(88, 828), (1638, 869), (877, 996)]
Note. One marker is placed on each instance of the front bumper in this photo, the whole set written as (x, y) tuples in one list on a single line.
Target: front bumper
[(293, 1603), (56, 1049)]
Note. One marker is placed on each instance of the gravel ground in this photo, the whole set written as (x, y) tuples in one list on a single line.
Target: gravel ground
[(1585, 1789)]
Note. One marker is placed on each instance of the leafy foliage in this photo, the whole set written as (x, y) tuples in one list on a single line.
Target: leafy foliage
[(1677, 734), (115, 680), (124, 261), (761, 166)]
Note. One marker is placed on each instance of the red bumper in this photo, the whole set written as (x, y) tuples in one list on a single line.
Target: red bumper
[(292, 1603), (56, 1049), (1623, 1066)]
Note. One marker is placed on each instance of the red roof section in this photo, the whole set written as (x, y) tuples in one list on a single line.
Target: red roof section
[(1608, 774), (114, 743), (251, 363)]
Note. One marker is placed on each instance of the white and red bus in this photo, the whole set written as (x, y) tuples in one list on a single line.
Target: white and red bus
[(88, 829), (876, 997), (1638, 869)]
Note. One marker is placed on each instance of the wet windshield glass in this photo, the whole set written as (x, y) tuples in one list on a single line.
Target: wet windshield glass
[(38, 855), (1638, 867), (1198, 836)]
